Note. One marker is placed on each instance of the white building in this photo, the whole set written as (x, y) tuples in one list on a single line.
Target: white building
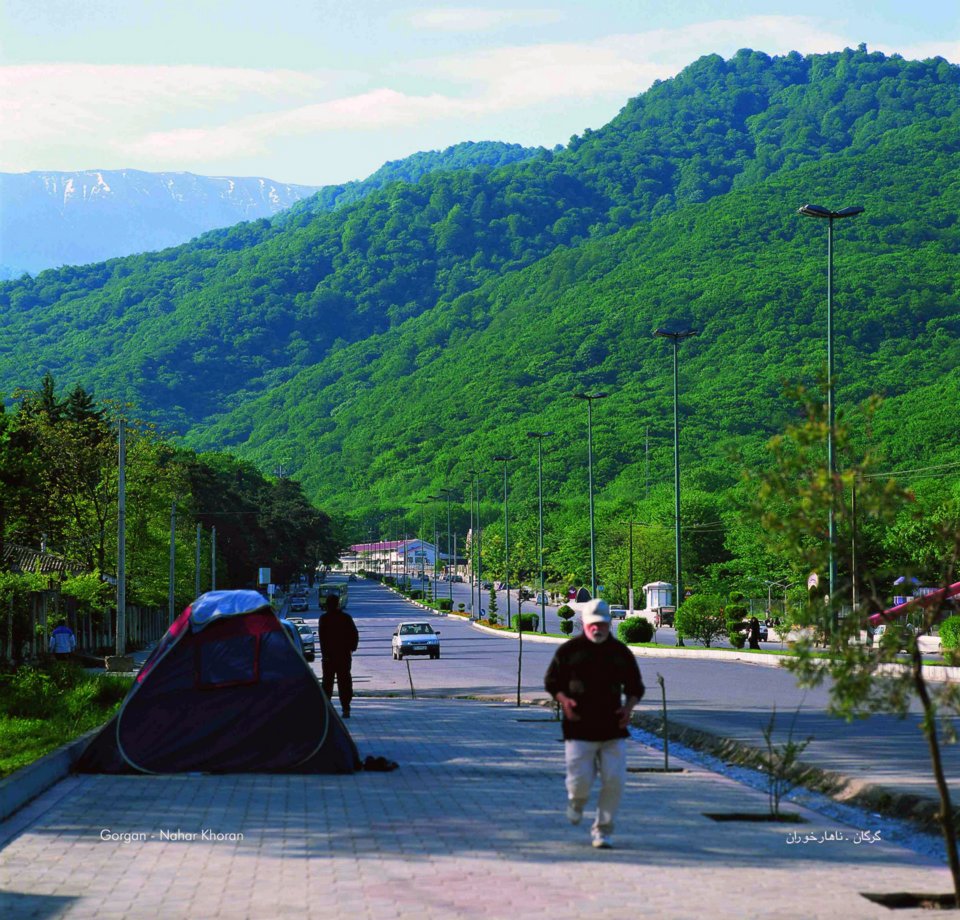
[(393, 557)]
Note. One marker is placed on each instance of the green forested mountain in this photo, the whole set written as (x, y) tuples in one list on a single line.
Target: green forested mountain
[(466, 155), (385, 348)]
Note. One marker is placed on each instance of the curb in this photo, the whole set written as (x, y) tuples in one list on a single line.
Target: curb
[(25, 784), (921, 811)]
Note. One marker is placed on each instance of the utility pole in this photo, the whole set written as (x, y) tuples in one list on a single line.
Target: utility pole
[(196, 567), (213, 559)]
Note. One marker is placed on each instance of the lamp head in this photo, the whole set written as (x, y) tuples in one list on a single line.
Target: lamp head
[(675, 335), (816, 210)]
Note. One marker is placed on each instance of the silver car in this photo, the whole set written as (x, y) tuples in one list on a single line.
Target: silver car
[(308, 641), (415, 638)]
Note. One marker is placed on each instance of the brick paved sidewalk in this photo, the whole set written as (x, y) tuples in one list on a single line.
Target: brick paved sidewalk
[(471, 825)]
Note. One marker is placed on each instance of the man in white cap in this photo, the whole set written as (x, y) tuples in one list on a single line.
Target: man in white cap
[(595, 679)]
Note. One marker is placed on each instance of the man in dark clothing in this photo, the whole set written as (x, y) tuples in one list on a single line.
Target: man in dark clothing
[(338, 641), (596, 681)]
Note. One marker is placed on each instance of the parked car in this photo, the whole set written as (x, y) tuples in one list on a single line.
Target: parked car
[(297, 621), (764, 631), (308, 640), (618, 611), (541, 597), (905, 631), (415, 638)]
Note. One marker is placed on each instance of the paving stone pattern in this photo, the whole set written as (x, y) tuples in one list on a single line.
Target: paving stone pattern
[(471, 825)]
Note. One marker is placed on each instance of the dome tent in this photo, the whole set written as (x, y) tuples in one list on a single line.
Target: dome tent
[(225, 691)]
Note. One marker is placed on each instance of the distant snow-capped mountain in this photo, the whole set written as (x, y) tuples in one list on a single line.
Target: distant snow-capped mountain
[(48, 219)]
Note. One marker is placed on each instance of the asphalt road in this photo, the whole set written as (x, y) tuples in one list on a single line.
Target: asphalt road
[(723, 697)]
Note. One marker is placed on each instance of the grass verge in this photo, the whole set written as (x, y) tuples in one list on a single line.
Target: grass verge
[(43, 707)]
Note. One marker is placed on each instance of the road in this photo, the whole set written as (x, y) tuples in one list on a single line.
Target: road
[(728, 698)]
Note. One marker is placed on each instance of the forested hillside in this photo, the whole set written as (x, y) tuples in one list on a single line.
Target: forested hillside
[(385, 348)]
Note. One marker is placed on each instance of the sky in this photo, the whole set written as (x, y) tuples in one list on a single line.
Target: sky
[(320, 92)]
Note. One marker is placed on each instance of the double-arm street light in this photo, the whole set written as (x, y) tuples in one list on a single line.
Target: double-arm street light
[(816, 210), (676, 337), (436, 541), (590, 397), (475, 566), (422, 502), (447, 494), (505, 459), (540, 435)]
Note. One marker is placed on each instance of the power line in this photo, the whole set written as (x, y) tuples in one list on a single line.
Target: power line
[(919, 469)]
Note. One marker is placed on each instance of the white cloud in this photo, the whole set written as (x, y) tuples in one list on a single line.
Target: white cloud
[(620, 64), (375, 110), (475, 19), (159, 117), (947, 48), (108, 106)]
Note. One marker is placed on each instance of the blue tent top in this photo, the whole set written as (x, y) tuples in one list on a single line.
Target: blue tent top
[(217, 605)]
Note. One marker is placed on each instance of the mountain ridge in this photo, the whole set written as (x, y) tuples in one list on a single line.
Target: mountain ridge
[(334, 338)]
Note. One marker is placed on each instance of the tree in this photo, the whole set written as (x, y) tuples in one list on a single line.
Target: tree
[(792, 502), (701, 618)]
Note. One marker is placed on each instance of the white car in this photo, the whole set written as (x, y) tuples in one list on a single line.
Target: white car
[(415, 638)]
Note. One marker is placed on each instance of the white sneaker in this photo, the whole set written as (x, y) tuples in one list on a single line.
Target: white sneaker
[(574, 814), (600, 842)]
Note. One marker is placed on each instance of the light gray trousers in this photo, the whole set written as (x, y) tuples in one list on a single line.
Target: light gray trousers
[(585, 759)]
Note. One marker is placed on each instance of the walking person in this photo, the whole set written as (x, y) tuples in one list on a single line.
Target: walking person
[(595, 679), (62, 642), (338, 641)]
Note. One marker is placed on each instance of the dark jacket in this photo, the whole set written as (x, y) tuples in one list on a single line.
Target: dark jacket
[(598, 676), (338, 635)]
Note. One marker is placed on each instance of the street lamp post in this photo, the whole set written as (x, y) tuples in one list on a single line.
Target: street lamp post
[(447, 493), (422, 502), (676, 338), (540, 435), (475, 542), (436, 541), (631, 525), (505, 459), (590, 397), (815, 210)]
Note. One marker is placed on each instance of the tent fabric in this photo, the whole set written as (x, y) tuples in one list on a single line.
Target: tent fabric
[(233, 695)]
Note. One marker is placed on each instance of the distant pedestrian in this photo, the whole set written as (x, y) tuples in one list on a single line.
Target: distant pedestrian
[(338, 641), (595, 679), (62, 642), (753, 631)]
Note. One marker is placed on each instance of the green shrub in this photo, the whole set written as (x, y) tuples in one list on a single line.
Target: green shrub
[(950, 632), (416, 594), (635, 629), (701, 617), (737, 639), (529, 621), (565, 612), (566, 627), (444, 603), (895, 637)]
